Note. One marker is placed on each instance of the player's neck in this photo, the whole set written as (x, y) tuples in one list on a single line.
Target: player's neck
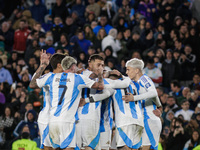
[(56, 71), (138, 76)]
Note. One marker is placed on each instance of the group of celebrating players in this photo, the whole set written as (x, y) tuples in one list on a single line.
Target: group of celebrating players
[(94, 108)]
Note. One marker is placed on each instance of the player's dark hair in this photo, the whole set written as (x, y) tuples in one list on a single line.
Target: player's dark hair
[(56, 59), (94, 57)]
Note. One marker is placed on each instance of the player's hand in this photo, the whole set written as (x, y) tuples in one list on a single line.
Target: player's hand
[(115, 72), (44, 58), (82, 102), (128, 98), (157, 112)]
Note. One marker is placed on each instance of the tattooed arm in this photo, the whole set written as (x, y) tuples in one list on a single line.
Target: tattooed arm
[(100, 84), (44, 62)]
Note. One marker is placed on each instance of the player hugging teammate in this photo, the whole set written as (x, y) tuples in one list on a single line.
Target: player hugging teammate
[(96, 109)]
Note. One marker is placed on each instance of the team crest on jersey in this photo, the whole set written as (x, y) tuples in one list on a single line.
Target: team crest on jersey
[(147, 85)]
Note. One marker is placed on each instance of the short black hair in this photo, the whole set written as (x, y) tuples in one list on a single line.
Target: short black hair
[(94, 57), (56, 59), (176, 83)]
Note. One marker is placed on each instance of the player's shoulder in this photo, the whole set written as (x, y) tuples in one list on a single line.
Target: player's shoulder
[(145, 81), (46, 75)]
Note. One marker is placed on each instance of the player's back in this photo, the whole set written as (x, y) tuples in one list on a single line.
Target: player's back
[(64, 89), (148, 104), (127, 113)]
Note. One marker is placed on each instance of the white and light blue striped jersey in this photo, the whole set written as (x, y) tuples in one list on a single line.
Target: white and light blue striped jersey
[(106, 115), (127, 113), (90, 110), (148, 104), (43, 116), (64, 88)]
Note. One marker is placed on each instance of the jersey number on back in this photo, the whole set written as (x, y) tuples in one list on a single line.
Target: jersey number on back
[(63, 93)]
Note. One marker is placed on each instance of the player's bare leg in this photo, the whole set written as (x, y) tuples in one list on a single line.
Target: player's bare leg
[(88, 148), (146, 147)]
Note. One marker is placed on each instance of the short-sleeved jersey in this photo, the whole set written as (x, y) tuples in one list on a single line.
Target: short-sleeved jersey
[(64, 88), (43, 116), (127, 113), (90, 110), (148, 105)]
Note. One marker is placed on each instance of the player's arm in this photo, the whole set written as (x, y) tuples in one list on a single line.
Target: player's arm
[(158, 111), (150, 93), (97, 97), (44, 62), (100, 84), (119, 84)]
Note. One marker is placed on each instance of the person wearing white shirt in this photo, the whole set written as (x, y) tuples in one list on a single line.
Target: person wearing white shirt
[(110, 40), (185, 111)]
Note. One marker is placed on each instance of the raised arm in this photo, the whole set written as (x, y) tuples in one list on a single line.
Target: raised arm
[(100, 84), (44, 62)]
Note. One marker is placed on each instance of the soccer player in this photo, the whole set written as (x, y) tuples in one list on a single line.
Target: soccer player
[(88, 126), (64, 100), (148, 94), (128, 116), (43, 117)]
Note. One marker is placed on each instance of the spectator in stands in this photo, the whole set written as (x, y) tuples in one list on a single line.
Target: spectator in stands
[(92, 7), (49, 42), (184, 10), (79, 8), (5, 75), (60, 10), (20, 38), (100, 36), (70, 27), (102, 24), (26, 15), (83, 43), (148, 9), (153, 72), (193, 141), (185, 111), (89, 34), (176, 88), (24, 141), (185, 95), (7, 36), (64, 44), (170, 70), (7, 126), (57, 28), (196, 81), (135, 43), (187, 62), (110, 40), (171, 103), (33, 126), (178, 137), (38, 11)]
